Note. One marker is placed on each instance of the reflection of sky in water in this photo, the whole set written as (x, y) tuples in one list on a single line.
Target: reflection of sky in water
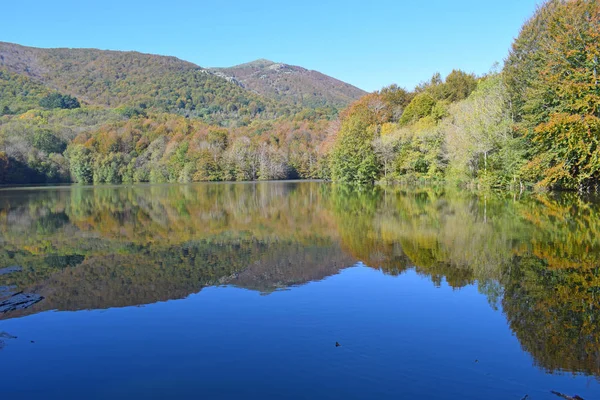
[(401, 337)]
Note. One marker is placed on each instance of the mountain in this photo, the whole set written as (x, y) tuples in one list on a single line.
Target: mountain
[(116, 79), (126, 78), (292, 84), (89, 115)]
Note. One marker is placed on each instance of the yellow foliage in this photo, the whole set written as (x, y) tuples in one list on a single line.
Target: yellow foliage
[(388, 128)]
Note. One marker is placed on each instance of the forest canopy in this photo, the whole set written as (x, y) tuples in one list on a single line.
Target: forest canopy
[(532, 123)]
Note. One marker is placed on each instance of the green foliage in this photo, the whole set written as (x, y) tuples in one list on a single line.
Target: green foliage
[(18, 93), (45, 140), (417, 152), (397, 99), (57, 100), (130, 112), (168, 148), (526, 58), (408, 132), (458, 86), (434, 96), (112, 168), (81, 162), (568, 148), (479, 141), (34, 142), (421, 106), (353, 159)]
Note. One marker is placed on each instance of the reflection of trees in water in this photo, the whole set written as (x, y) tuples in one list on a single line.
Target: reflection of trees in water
[(440, 236), (149, 243), (552, 296), (554, 315), (538, 256)]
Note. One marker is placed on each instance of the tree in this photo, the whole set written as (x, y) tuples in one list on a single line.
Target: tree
[(553, 78), (218, 138), (476, 128), (458, 86), (271, 163), (57, 100), (421, 106), (436, 80), (385, 149), (243, 159), (353, 159), (81, 163), (45, 140), (397, 98)]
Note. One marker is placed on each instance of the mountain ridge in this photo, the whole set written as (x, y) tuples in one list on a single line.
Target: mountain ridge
[(292, 83), (115, 78)]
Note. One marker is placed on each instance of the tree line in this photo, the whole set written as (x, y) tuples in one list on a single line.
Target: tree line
[(534, 123)]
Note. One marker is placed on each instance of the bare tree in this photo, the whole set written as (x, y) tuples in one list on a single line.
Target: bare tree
[(385, 149)]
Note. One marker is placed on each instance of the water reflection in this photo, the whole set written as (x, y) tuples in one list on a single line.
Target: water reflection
[(537, 258)]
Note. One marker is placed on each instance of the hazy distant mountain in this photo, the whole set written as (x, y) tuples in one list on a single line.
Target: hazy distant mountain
[(291, 83)]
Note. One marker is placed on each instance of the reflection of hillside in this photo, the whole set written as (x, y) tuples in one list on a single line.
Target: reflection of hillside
[(101, 247), (149, 276), (292, 265), (101, 222), (538, 257)]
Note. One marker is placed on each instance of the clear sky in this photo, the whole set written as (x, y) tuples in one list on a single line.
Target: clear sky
[(369, 44)]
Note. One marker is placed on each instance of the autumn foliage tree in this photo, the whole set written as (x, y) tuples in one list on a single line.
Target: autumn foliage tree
[(353, 159), (553, 77)]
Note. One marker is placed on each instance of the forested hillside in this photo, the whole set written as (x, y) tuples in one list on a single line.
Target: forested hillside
[(141, 81), (292, 84), (94, 116)]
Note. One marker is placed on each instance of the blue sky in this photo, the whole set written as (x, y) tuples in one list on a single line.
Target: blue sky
[(367, 43)]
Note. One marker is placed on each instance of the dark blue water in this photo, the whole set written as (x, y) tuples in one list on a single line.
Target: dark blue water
[(402, 335), (399, 336)]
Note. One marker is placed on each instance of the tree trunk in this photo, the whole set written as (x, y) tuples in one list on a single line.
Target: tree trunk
[(485, 163)]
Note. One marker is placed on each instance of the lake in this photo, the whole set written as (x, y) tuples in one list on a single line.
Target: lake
[(297, 290)]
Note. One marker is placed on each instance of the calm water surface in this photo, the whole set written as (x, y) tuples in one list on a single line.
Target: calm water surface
[(242, 290)]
